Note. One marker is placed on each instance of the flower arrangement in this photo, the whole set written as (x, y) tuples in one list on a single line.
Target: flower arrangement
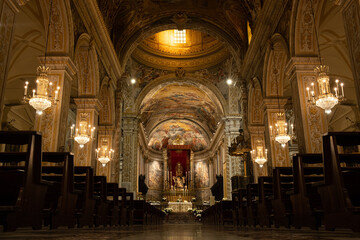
[(167, 211)]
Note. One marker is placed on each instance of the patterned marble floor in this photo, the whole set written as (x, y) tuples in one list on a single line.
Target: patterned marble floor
[(178, 232)]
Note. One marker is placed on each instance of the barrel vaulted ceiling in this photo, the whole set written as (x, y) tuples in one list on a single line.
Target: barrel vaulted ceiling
[(143, 31)]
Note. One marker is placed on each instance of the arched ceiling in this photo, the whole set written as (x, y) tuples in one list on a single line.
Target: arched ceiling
[(129, 22), (182, 106), (199, 51)]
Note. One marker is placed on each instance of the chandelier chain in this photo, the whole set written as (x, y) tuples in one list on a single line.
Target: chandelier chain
[(315, 29), (48, 31)]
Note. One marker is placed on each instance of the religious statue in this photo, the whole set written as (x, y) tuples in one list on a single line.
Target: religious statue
[(179, 179)]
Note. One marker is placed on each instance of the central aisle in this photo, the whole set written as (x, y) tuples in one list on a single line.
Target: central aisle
[(177, 232)]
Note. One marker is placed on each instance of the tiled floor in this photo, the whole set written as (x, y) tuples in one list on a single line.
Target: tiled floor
[(178, 232)]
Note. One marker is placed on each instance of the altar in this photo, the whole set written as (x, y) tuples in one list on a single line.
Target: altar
[(180, 206)]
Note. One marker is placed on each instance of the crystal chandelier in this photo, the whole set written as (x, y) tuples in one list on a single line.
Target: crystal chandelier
[(259, 154), (83, 134), (41, 98), (104, 154), (281, 130), (322, 96)]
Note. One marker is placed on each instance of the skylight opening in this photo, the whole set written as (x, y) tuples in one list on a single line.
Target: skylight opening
[(180, 36)]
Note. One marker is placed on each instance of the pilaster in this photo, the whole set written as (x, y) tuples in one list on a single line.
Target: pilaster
[(53, 122), (279, 155), (87, 110), (310, 121), (105, 137)]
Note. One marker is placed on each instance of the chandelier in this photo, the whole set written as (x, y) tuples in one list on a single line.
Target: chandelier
[(259, 154), (321, 94), (104, 154), (322, 97), (281, 130), (83, 134), (41, 98)]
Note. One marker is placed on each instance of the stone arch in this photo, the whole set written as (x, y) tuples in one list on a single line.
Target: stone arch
[(276, 58), (256, 113), (107, 99), (61, 38), (302, 32), (199, 82), (86, 61)]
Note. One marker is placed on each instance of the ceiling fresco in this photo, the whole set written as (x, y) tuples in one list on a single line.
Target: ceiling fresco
[(174, 131), (179, 101), (198, 52)]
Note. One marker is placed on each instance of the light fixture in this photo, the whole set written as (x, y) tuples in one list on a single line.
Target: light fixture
[(281, 130), (321, 94), (41, 97), (83, 134), (179, 36), (104, 154), (259, 154), (229, 81), (133, 81), (281, 127)]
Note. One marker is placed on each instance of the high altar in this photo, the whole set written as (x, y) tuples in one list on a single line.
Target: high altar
[(179, 179)]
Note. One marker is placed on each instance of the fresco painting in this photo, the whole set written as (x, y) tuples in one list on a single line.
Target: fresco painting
[(202, 175), (187, 131), (155, 175), (180, 101)]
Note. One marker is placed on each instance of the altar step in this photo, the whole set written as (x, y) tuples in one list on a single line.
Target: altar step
[(181, 218)]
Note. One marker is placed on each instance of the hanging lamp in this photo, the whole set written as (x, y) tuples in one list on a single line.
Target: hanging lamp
[(320, 94), (40, 98)]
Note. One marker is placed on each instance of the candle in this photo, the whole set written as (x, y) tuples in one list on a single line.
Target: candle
[(308, 92), (342, 89), (77, 131), (336, 92), (72, 130), (33, 92), (26, 88)]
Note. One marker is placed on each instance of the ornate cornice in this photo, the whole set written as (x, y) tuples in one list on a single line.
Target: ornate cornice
[(88, 103)]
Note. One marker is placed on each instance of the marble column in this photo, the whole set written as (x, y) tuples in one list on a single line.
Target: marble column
[(279, 155), (351, 16), (130, 135), (53, 122), (310, 121), (88, 111)]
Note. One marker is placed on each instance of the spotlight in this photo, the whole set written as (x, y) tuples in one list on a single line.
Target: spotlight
[(133, 81), (229, 81)]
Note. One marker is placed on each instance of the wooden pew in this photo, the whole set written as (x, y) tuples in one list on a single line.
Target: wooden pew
[(140, 212), (60, 201), (122, 207), (225, 212), (21, 188), (251, 204), (235, 207), (113, 211), (101, 206), (306, 202), (266, 195), (130, 208), (282, 185), (340, 194), (84, 186), (242, 210)]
